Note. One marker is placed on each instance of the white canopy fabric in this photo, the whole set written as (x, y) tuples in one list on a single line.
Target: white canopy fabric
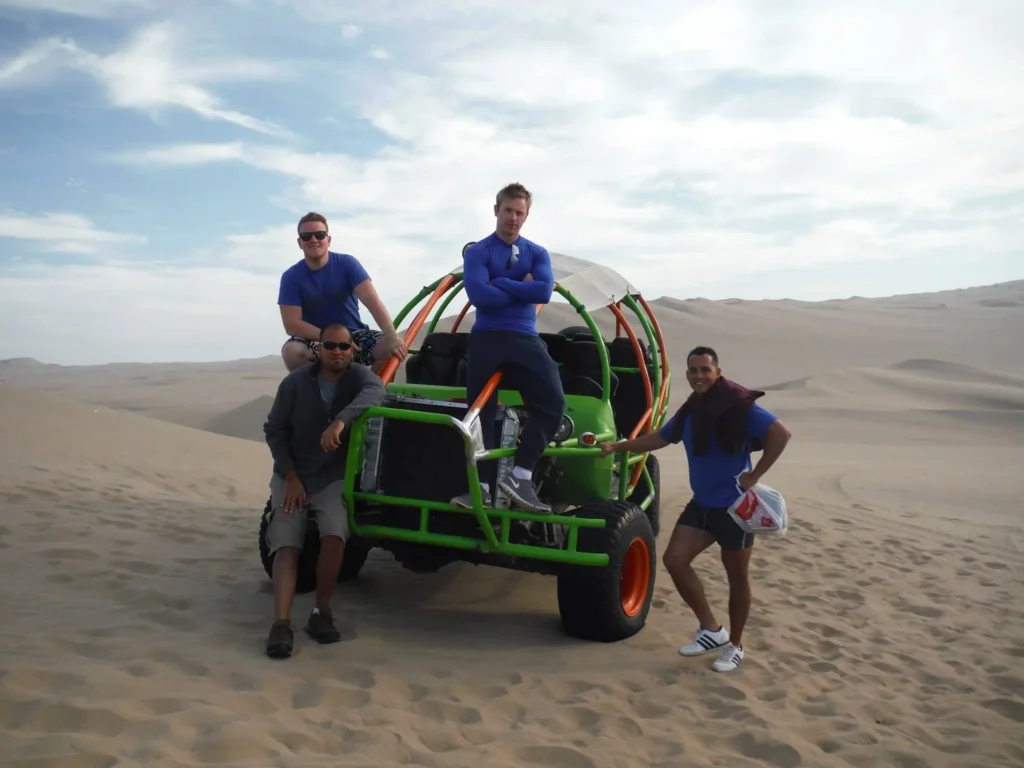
[(593, 285)]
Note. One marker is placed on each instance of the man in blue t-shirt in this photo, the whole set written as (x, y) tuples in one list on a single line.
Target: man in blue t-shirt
[(719, 425), (325, 288), (506, 276)]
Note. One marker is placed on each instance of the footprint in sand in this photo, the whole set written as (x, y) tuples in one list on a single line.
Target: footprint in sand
[(771, 752), (447, 712), (555, 757), (307, 695), (141, 567), (927, 611), (1008, 708), (82, 555), (341, 698), (441, 740)]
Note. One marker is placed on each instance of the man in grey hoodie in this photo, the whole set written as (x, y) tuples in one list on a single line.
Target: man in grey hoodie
[(305, 430)]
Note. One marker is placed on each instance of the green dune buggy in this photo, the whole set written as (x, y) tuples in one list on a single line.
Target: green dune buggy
[(419, 449)]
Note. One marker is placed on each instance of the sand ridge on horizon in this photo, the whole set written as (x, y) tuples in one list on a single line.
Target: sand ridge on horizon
[(887, 627)]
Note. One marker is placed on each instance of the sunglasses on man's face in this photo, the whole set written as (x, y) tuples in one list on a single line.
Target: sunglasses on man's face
[(344, 346), (307, 236)]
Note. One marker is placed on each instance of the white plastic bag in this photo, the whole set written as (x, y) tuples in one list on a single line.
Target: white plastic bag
[(760, 510)]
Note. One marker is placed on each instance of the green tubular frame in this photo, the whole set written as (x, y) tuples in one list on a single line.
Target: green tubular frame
[(452, 293), (486, 517), (660, 380)]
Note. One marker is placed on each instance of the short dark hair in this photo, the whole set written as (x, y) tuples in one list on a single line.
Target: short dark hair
[(331, 326), (313, 216), (514, 190), (703, 351)]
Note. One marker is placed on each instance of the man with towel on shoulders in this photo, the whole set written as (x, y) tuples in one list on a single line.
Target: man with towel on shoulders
[(719, 425)]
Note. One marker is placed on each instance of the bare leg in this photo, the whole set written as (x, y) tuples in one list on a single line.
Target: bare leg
[(379, 355), (737, 568), (286, 562), (328, 565), (295, 354), (686, 543)]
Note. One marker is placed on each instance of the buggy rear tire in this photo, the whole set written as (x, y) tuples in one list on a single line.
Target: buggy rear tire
[(611, 603), (356, 552)]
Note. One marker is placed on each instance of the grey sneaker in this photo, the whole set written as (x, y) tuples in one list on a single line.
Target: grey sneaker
[(466, 499), (523, 493)]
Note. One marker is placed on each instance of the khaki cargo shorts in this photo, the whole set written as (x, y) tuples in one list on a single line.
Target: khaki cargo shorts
[(289, 530)]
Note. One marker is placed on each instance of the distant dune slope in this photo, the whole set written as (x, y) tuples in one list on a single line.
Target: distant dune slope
[(245, 421), (66, 440)]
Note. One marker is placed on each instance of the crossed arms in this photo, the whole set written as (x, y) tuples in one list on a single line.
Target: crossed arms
[(535, 288)]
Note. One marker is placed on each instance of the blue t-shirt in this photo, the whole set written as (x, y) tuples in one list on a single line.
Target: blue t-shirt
[(713, 475), (495, 286), (326, 295)]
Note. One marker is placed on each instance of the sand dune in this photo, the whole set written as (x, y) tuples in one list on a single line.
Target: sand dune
[(245, 421), (887, 630), (908, 385)]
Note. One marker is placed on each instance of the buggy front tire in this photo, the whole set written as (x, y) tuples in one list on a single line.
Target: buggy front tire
[(610, 603), (356, 552)]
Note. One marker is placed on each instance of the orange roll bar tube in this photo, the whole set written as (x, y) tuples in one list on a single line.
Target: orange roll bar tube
[(390, 368), (645, 377)]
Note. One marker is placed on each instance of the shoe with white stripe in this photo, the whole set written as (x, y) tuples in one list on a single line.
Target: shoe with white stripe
[(729, 659), (706, 642)]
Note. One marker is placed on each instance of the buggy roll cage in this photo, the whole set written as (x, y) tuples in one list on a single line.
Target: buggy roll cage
[(579, 280)]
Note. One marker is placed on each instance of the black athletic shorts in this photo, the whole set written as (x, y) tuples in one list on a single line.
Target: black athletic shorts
[(717, 522)]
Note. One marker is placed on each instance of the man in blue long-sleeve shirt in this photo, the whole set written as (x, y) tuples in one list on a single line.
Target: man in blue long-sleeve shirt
[(506, 276)]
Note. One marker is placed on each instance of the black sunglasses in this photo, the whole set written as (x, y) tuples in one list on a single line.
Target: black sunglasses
[(307, 236), (342, 345)]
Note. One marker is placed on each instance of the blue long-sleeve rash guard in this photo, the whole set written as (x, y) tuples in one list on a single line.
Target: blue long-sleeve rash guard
[(503, 301)]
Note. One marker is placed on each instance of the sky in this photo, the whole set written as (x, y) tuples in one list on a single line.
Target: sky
[(155, 156)]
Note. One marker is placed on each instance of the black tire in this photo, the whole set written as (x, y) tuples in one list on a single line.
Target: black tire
[(356, 552), (590, 599), (640, 493)]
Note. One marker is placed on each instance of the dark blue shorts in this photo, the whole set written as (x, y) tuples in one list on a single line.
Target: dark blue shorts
[(719, 523)]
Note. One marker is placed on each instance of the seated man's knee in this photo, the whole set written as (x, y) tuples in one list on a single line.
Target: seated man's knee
[(285, 555), (295, 354)]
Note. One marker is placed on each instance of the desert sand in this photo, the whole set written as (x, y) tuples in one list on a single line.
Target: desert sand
[(887, 628)]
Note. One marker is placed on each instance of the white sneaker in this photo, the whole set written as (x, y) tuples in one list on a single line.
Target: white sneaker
[(730, 658), (706, 642)]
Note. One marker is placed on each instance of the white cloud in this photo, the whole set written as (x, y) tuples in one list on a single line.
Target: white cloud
[(849, 119), (63, 233), (183, 154), (150, 74)]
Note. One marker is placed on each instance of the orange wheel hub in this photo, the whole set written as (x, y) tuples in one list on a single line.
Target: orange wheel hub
[(636, 577)]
